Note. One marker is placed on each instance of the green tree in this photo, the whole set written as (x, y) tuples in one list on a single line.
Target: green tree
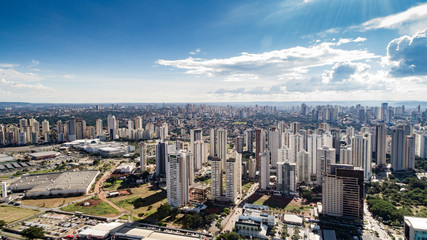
[(33, 232), (285, 231), (296, 234), (2, 223), (229, 236)]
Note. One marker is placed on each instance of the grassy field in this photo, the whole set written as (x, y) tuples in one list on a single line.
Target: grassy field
[(98, 208), (50, 202), (247, 186), (12, 214), (142, 200), (112, 186)]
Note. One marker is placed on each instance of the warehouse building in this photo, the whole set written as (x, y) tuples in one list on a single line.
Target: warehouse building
[(54, 184), (43, 155)]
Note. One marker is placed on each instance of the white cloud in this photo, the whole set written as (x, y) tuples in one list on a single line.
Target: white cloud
[(408, 22), (14, 75), (195, 52), (8, 65), (68, 76), (407, 55), (34, 63), (270, 64), (349, 40)]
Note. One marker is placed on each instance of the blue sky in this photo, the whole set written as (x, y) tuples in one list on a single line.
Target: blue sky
[(210, 51)]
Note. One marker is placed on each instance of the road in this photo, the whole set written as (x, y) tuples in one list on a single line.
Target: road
[(230, 220), (101, 193), (372, 223)]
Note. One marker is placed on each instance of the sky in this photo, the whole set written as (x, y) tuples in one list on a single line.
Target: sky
[(212, 51)]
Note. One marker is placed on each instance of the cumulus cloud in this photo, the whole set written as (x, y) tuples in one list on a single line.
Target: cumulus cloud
[(270, 64), (14, 75), (197, 51), (349, 40), (68, 76), (34, 63), (17, 85), (277, 89), (8, 65), (409, 21), (343, 71), (408, 55)]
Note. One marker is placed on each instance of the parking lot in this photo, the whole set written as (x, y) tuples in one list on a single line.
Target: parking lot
[(57, 224)]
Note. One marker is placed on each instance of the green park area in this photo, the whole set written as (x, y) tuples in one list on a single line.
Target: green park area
[(393, 199), (92, 206), (143, 201), (12, 214)]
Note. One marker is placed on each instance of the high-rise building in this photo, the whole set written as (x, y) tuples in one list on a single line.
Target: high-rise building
[(22, 138), (216, 177), (45, 127), (195, 135), (239, 144), (252, 168), (72, 129), (295, 127), (22, 124), (409, 152), (286, 177), (342, 194), (325, 157), (233, 177), (303, 167), (221, 135), (314, 142), (421, 144), (381, 144), (265, 170), (296, 143), (112, 127), (163, 131), (161, 155), (274, 143), (177, 178), (213, 143), (346, 155), (138, 122), (383, 112), (199, 152), (98, 129), (249, 140), (362, 154), (259, 146), (398, 148), (143, 157)]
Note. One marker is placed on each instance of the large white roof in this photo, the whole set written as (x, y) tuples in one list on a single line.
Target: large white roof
[(417, 222)]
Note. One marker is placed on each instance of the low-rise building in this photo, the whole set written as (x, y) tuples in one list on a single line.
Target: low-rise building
[(415, 228), (54, 184)]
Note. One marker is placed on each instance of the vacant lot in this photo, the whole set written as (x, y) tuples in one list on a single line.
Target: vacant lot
[(12, 214), (96, 207), (51, 202), (142, 200), (280, 204)]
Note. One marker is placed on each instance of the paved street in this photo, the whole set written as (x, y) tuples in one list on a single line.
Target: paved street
[(373, 224)]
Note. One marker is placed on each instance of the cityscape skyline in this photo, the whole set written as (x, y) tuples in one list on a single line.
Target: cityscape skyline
[(288, 51)]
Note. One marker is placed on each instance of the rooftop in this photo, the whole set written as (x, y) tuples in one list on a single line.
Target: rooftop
[(417, 222)]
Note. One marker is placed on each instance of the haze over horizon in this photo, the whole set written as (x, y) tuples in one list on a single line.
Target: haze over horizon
[(213, 51)]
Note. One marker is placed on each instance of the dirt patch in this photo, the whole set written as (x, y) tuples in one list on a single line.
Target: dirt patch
[(92, 203), (125, 192)]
